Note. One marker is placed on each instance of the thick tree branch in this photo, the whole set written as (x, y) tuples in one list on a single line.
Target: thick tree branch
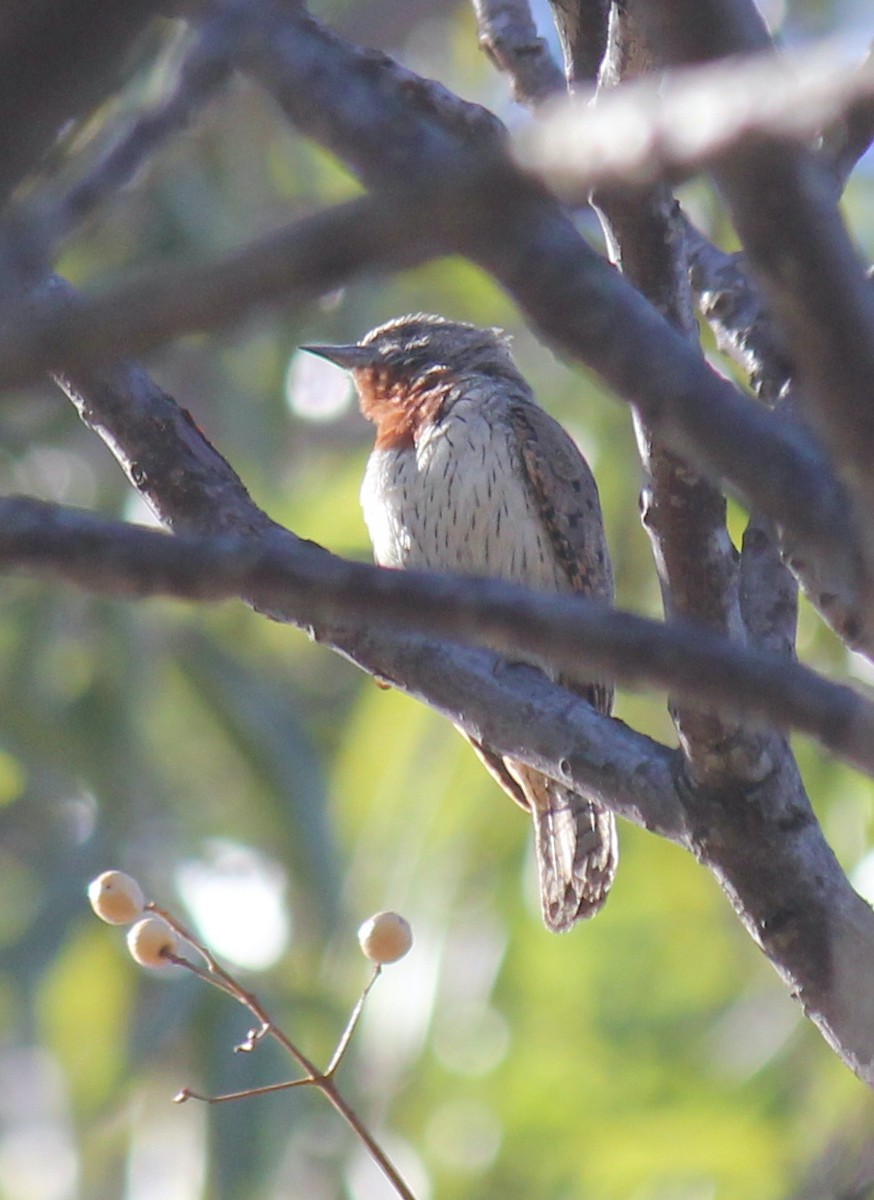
[(299, 582), (582, 27), (58, 330), (686, 518), (690, 118), (768, 591), (850, 137), (798, 246), (684, 514), (735, 310)]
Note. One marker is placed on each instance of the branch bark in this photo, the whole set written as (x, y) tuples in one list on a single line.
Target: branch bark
[(798, 246), (298, 582), (509, 36), (684, 514)]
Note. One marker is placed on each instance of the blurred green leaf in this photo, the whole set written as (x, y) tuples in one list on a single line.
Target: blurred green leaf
[(263, 718)]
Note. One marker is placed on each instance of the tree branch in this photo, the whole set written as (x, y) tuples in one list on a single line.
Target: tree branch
[(58, 330), (673, 127), (735, 310), (295, 581), (509, 36), (683, 514), (850, 136), (798, 246), (582, 27), (510, 227)]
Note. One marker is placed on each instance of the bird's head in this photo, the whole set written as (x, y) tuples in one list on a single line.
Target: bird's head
[(404, 370)]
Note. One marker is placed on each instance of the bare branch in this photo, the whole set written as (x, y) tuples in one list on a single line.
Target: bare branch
[(768, 593), (59, 331), (404, 129), (509, 36), (734, 307), (683, 514), (797, 244), (298, 582), (582, 27), (654, 129)]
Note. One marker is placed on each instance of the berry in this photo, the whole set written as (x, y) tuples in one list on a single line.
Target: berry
[(150, 941), (385, 937), (115, 897)]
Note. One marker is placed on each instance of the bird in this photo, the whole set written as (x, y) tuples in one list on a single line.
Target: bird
[(470, 474)]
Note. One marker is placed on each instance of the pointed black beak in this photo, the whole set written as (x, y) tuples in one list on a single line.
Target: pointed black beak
[(347, 357)]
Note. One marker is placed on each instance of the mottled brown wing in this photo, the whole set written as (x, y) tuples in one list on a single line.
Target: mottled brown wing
[(575, 837), (566, 496), (496, 767)]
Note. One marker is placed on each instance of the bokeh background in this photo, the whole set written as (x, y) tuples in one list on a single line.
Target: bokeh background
[(275, 797)]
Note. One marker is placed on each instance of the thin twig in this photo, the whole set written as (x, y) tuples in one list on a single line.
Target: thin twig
[(266, 1089), (351, 1025), (217, 975), (223, 978)]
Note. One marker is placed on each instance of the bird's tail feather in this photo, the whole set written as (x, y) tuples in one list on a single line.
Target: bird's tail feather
[(576, 848)]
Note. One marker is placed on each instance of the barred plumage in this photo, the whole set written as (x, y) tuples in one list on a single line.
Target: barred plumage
[(469, 474)]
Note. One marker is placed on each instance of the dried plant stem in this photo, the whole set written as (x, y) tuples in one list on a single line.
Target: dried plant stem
[(351, 1025), (215, 974)]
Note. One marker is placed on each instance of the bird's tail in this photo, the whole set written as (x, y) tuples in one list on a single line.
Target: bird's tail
[(576, 848)]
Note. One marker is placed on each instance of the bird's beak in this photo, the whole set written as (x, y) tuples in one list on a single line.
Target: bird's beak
[(348, 357)]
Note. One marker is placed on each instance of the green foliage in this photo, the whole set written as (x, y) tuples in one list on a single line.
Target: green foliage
[(651, 1055)]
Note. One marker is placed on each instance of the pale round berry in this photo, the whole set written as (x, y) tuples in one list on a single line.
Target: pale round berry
[(150, 941), (115, 897), (385, 937)]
